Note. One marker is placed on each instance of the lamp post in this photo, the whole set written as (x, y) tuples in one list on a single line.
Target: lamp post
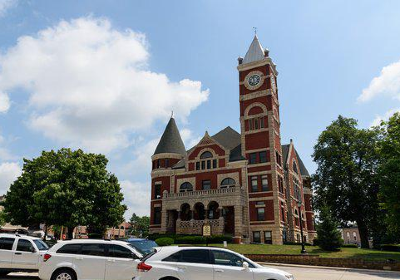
[(303, 249)]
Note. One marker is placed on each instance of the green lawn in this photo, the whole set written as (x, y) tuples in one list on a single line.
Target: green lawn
[(369, 254)]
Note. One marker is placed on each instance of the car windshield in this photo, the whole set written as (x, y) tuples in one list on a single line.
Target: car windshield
[(143, 246), (41, 245)]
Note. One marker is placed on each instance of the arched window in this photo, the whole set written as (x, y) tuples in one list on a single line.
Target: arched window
[(186, 187), (228, 183), (206, 155)]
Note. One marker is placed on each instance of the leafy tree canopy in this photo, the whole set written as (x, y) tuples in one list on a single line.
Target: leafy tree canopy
[(139, 225), (66, 188)]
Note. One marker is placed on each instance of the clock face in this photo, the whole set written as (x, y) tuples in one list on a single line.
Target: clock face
[(254, 80)]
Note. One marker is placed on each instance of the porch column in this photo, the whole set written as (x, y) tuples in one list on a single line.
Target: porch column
[(178, 223), (164, 220), (221, 221), (238, 221)]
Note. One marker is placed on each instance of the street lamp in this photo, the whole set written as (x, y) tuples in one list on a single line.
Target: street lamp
[(303, 249)]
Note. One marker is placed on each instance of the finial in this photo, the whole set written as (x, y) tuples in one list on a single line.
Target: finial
[(172, 114), (206, 134), (255, 31)]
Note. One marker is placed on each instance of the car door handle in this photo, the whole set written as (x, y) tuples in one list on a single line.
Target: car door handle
[(18, 253), (219, 270), (79, 258), (111, 260)]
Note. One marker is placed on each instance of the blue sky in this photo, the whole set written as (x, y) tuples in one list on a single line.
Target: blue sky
[(104, 75)]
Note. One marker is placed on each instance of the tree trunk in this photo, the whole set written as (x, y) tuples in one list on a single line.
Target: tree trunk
[(363, 230)]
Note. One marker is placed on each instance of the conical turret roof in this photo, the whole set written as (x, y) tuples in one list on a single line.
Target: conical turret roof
[(171, 141), (255, 52)]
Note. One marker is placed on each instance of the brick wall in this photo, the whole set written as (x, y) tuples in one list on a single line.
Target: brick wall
[(330, 262)]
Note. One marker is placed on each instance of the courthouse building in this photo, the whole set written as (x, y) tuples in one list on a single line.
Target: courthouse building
[(246, 184)]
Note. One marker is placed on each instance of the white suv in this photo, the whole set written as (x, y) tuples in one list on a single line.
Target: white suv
[(81, 259), (20, 253), (193, 263)]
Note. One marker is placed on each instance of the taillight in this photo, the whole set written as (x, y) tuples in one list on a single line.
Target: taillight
[(46, 257), (142, 267)]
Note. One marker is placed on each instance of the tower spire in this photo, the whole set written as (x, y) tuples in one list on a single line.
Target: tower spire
[(255, 52)]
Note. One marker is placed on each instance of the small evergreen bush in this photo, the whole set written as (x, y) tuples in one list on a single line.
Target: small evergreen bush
[(329, 237), (164, 241)]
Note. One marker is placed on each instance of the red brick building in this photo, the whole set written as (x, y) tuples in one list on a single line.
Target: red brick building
[(245, 184)]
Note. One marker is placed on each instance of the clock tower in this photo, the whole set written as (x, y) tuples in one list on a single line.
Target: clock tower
[(261, 143)]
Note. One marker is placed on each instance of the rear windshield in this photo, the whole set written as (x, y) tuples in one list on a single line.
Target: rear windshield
[(143, 246), (41, 245)]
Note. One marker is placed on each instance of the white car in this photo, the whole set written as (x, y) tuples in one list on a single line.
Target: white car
[(20, 253), (193, 263), (87, 259)]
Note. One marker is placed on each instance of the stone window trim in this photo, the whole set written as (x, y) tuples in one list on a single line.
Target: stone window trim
[(234, 176), (256, 104), (202, 151), (180, 181), (256, 131)]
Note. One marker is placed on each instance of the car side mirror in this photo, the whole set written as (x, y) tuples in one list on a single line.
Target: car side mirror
[(246, 265)]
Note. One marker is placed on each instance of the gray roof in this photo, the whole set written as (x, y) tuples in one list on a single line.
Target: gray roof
[(255, 51), (302, 167), (171, 141)]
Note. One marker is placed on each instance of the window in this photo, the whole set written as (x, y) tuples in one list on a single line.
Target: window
[(214, 163), (40, 245), (158, 163), (167, 163), (70, 249), (208, 164), (227, 183), (206, 155), (251, 125), (263, 156), (268, 237), (355, 236), (192, 256), (255, 123), (173, 258), (284, 236), (256, 237), (254, 184), (280, 183), (6, 243), (283, 212), (295, 168), (264, 183), (203, 165), (206, 185), (298, 238), (262, 122), (278, 159), (253, 158), (198, 165), (157, 215), (118, 251), (226, 258), (157, 191), (260, 214), (93, 249), (186, 187), (25, 246)]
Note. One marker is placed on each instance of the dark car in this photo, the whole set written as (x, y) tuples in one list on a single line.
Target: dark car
[(144, 246)]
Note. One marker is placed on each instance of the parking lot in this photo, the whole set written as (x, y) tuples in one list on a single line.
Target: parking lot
[(300, 273)]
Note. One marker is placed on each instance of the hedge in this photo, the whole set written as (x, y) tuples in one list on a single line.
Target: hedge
[(390, 247), (192, 239), (349, 246), (164, 241)]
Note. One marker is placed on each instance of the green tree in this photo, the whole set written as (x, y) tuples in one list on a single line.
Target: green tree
[(66, 188), (139, 225), (2, 218), (346, 178), (389, 173), (329, 237)]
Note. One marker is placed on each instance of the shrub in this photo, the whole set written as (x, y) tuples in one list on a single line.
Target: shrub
[(215, 239), (164, 241), (390, 247), (316, 242), (190, 240), (349, 246), (95, 235), (329, 237)]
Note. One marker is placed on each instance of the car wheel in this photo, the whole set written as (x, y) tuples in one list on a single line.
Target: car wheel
[(64, 274), (4, 273)]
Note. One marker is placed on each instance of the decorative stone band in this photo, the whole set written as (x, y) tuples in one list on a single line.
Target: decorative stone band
[(166, 155)]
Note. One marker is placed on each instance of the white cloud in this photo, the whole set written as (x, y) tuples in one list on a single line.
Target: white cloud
[(4, 102), (386, 84), (9, 171), (189, 139), (378, 119), (136, 197), (5, 5), (90, 85)]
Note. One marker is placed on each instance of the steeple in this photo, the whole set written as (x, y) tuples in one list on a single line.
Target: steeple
[(255, 52), (171, 141)]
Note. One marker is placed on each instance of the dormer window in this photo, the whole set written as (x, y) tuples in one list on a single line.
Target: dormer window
[(206, 161)]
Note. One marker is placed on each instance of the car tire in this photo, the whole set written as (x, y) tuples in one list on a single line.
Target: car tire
[(64, 274), (169, 278), (4, 273)]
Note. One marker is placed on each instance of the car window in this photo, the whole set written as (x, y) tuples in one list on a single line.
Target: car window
[(226, 258), (93, 249), (173, 258), (6, 243), (24, 246), (118, 251), (70, 249), (195, 256), (143, 246), (40, 245)]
